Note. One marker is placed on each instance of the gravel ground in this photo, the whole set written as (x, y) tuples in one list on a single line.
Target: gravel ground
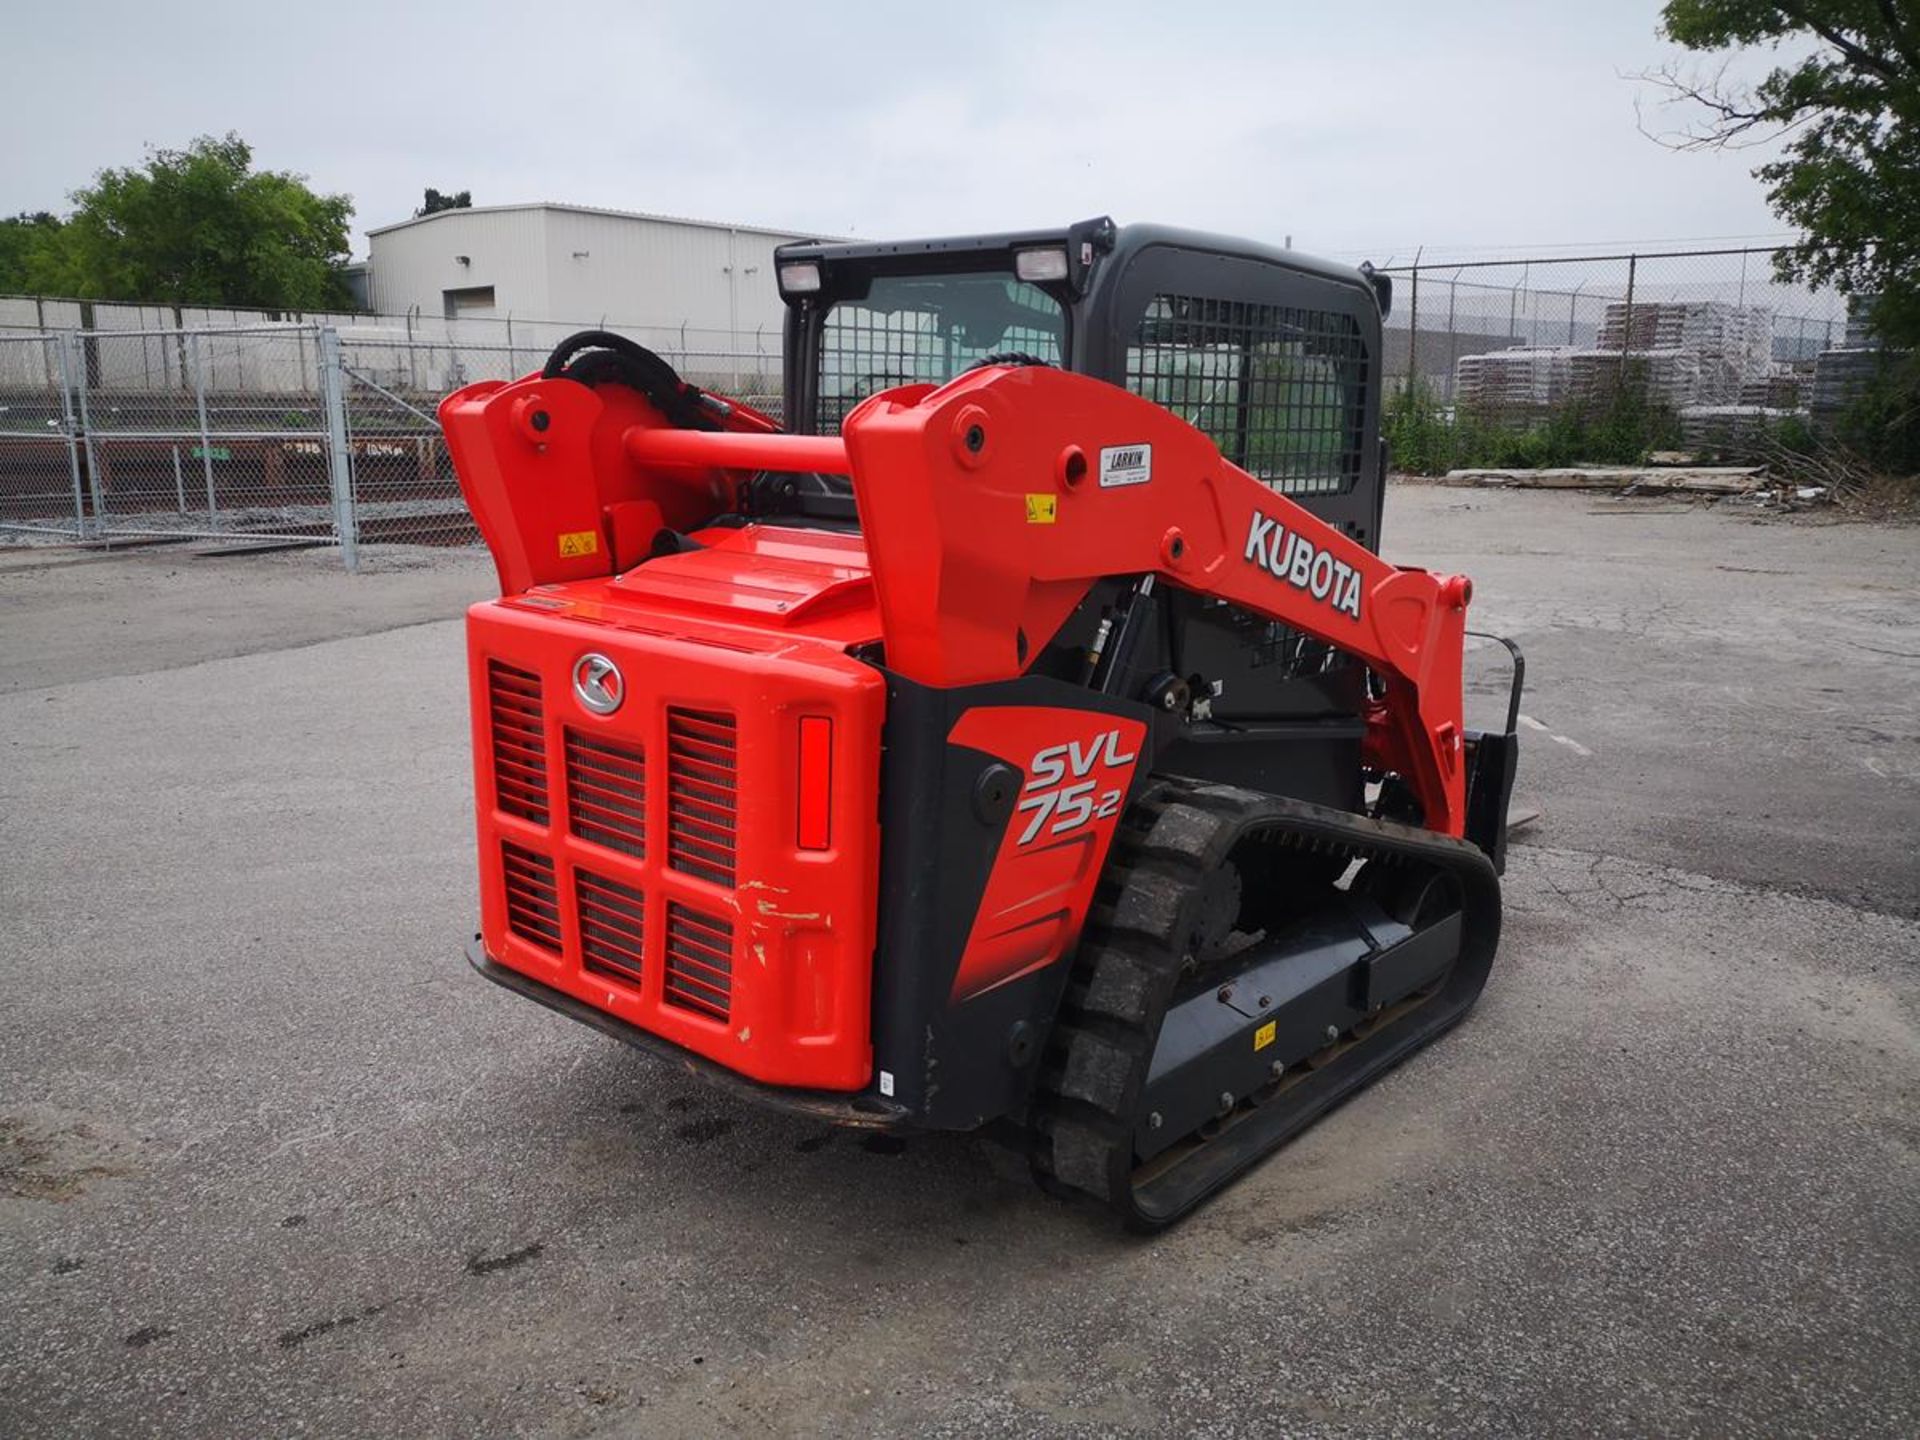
[(272, 1160)]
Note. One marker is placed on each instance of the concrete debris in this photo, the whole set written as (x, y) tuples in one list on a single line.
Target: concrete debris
[(1697, 479)]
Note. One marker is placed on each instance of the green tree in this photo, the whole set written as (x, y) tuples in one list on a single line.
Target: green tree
[(28, 258), (1848, 176), (435, 202), (201, 226)]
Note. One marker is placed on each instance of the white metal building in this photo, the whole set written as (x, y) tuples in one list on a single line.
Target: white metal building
[(576, 263)]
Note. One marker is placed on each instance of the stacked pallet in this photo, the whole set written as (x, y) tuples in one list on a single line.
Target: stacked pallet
[(1677, 353), (1860, 334), (1841, 377), (1731, 344), (1668, 377), (1728, 427), (1511, 382), (1778, 391)]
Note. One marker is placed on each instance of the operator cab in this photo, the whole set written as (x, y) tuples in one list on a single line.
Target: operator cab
[(1274, 355)]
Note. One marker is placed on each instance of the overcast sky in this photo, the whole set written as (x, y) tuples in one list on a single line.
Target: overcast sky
[(1355, 128)]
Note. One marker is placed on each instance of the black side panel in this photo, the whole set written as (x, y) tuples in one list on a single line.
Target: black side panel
[(1265, 670), (955, 1066), (1318, 762)]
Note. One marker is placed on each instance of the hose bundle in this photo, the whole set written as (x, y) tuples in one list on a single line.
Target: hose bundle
[(592, 357)]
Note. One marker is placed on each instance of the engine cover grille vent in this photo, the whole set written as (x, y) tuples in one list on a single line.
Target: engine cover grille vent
[(533, 900), (612, 926), (699, 961), (519, 742), (607, 792), (702, 793)]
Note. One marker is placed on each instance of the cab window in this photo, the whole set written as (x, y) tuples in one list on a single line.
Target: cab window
[(912, 329), (1280, 389)]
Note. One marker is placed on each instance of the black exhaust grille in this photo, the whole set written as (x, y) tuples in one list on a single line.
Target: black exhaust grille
[(702, 786), (699, 961), (607, 792), (519, 742), (533, 900), (612, 926)]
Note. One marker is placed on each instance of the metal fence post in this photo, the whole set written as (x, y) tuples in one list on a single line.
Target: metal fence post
[(1453, 338), (333, 401), (89, 366), (1413, 331), (206, 437), (1626, 330), (1627, 384), (63, 343)]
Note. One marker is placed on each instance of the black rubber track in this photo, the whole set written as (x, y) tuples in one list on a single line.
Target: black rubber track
[(1144, 925)]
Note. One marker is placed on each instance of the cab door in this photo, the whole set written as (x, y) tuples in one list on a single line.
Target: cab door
[(1274, 361)]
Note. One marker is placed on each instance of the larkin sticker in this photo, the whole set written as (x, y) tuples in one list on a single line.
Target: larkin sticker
[(1125, 465)]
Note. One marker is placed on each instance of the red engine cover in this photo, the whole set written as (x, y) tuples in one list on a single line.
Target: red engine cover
[(639, 746)]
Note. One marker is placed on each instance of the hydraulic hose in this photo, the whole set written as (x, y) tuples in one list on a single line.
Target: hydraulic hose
[(590, 357)]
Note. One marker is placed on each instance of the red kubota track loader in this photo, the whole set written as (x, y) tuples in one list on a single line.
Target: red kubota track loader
[(1032, 739)]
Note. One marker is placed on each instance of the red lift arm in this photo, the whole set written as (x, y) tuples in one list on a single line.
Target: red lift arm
[(988, 506)]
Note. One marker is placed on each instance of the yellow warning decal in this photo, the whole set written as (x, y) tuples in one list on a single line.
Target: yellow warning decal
[(1263, 1037), (579, 542), (1043, 509)]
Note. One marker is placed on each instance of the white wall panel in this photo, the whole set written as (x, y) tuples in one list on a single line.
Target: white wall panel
[(637, 273), (415, 265)]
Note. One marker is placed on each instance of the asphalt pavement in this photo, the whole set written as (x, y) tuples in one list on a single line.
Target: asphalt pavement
[(273, 1161)]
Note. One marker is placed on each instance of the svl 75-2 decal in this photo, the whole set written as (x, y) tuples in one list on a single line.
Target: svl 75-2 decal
[(1067, 785), (1078, 767)]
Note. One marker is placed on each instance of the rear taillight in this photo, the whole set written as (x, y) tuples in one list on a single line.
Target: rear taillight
[(815, 829)]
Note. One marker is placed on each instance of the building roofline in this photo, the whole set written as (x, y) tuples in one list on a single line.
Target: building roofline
[(592, 210)]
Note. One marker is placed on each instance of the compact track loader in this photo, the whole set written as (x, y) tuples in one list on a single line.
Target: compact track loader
[(1032, 738)]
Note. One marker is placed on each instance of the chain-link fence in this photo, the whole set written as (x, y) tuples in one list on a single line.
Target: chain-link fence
[(1613, 353), (207, 432), (41, 474), (528, 339), (274, 432), (142, 422)]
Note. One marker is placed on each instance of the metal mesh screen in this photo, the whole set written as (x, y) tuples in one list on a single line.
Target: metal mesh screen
[(1280, 389), (924, 330)]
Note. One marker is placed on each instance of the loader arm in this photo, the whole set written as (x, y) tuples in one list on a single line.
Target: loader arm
[(991, 504)]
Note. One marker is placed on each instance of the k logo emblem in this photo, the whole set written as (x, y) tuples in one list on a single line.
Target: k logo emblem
[(598, 684)]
